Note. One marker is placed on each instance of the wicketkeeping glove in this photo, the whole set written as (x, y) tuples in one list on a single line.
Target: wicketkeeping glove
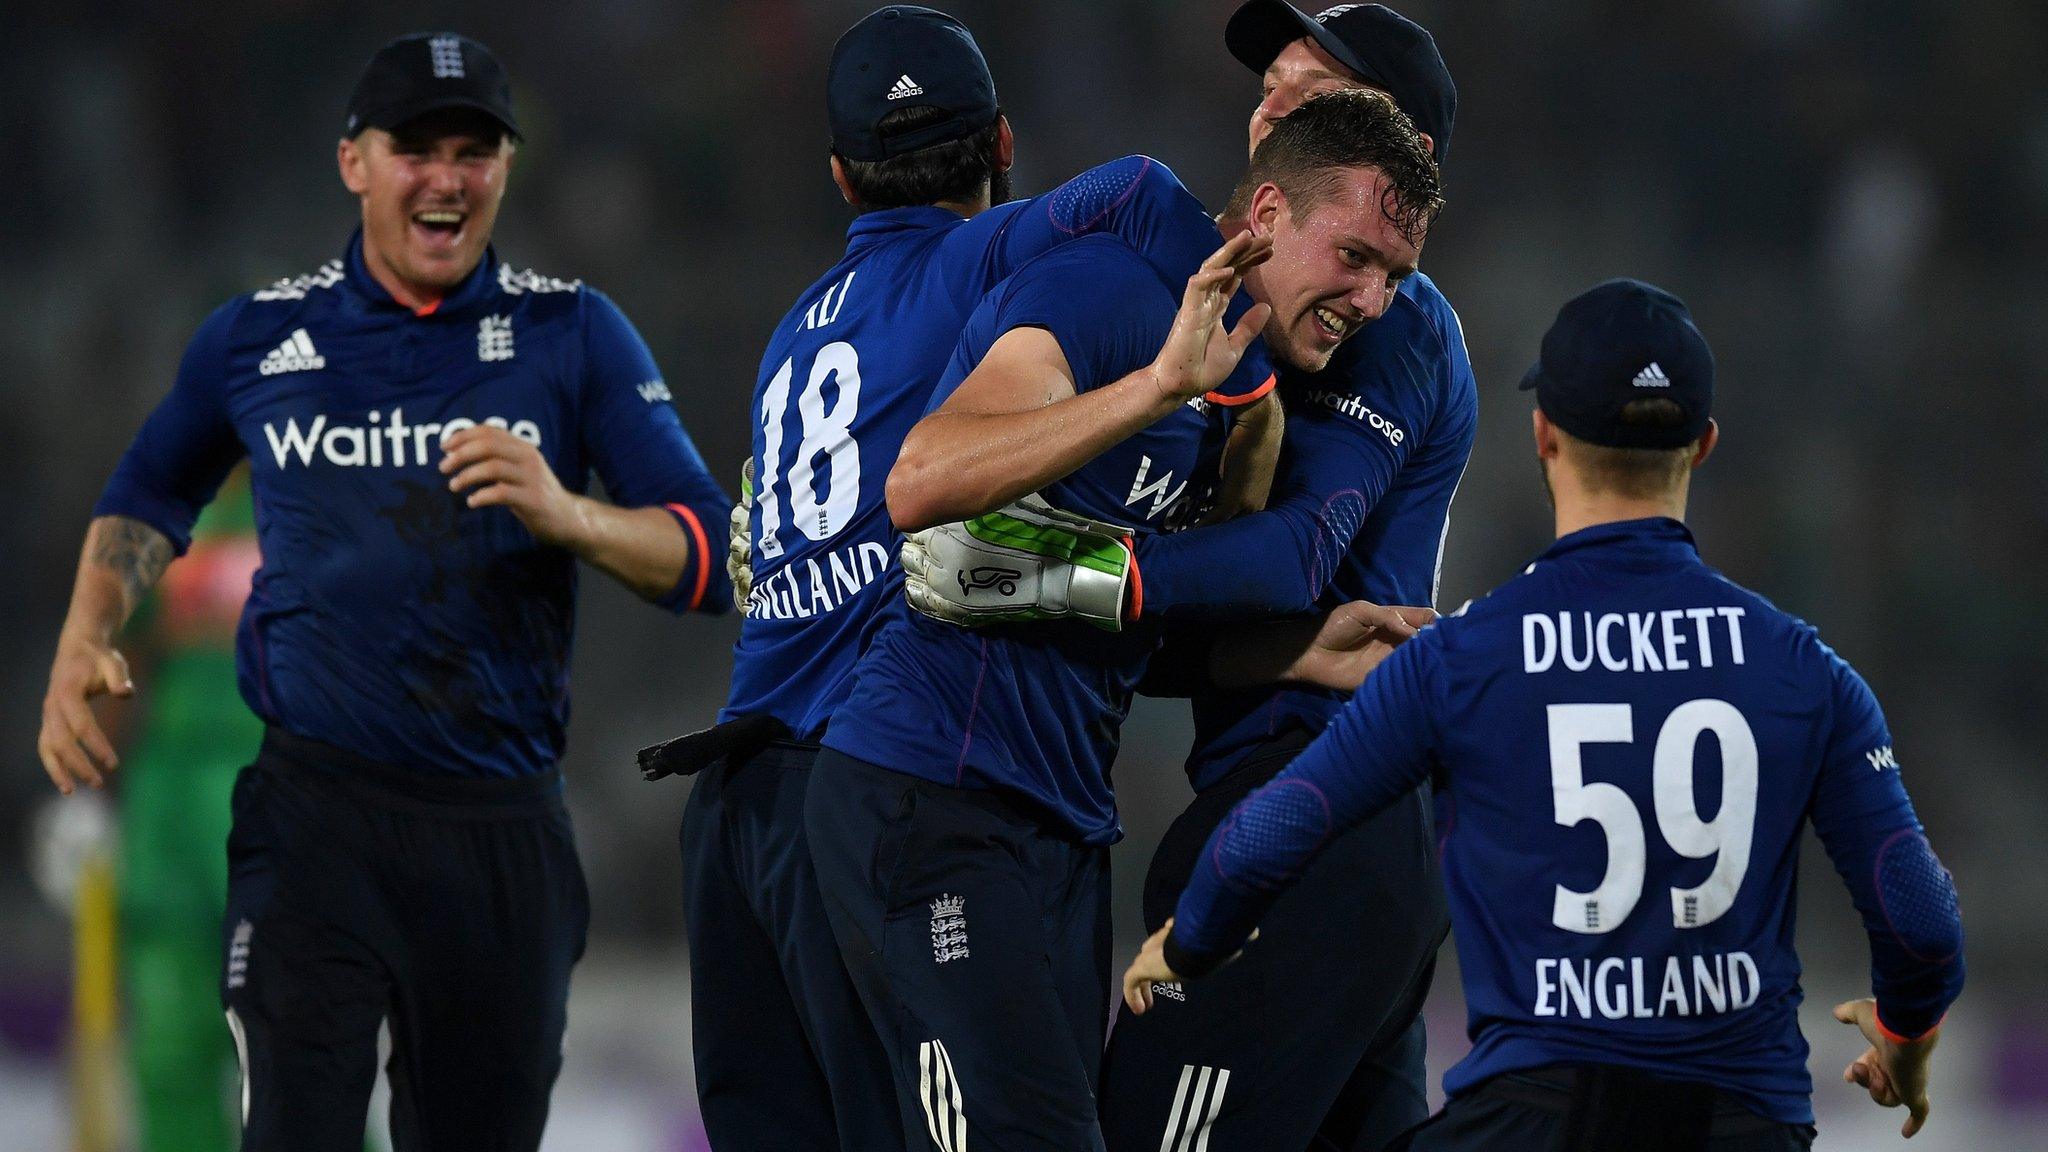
[(1028, 561), (739, 542)]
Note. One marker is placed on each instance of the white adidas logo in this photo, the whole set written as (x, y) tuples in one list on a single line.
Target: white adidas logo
[(904, 86), (1652, 377), (294, 355)]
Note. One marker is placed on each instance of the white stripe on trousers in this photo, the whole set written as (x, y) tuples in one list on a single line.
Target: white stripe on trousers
[(939, 1091), (241, 1057), (1184, 1132)]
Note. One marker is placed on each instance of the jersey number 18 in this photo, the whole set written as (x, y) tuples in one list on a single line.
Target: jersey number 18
[(826, 433)]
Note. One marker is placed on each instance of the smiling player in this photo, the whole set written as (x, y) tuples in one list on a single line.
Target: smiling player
[(420, 420)]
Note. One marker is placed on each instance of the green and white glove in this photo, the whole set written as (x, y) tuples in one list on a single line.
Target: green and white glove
[(1028, 561), (739, 539)]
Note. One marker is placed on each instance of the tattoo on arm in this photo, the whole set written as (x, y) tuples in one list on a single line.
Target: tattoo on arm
[(134, 552)]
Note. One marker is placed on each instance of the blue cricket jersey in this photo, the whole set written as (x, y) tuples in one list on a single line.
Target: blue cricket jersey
[(1376, 444), (852, 368), (388, 618), (1633, 744), (1034, 711)]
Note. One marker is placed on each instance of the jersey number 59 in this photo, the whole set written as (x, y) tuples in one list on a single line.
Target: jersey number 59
[(1726, 836), (826, 433)]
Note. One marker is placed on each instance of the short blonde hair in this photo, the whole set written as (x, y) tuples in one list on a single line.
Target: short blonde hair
[(1635, 473)]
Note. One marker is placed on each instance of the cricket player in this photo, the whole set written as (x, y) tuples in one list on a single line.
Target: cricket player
[(961, 813), (1376, 444), (420, 420), (921, 151), (1624, 919)]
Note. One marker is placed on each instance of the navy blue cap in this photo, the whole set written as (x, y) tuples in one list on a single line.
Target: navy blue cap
[(426, 72), (1622, 341), (904, 56), (1379, 45)]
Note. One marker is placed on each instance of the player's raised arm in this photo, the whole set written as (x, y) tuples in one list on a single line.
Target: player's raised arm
[(1016, 424)]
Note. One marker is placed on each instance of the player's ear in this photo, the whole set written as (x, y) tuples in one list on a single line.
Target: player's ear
[(1545, 433), (1006, 145), (1268, 201), (1707, 440), (348, 156), (845, 186)]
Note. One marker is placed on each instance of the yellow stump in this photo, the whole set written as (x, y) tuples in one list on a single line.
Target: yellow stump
[(95, 1041)]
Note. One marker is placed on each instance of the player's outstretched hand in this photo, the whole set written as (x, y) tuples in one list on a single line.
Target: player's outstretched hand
[(73, 747), (1893, 1073), (499, 469), (1354, 639), (1147, 969), (1194, 361), (1150, 967)]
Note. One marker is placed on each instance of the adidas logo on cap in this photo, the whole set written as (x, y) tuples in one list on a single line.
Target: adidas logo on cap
[(1652, 377), (296, 354), (904, 86)]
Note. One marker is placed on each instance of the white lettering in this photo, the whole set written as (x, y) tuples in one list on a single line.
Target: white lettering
[(1615, 1007), (1609, 660), (873, 559), (1734, 618), (1618, 987), (381, 441), (1545, 986), (1640, 651), (1672, 639), (1584, 659), (1157, 489), (1532, 623), (1738, 963), (1574, 984), (844, 581), (353, 457), (292, 441), (1700, 616), (1674, 987), (1709, 985), (801, 591)]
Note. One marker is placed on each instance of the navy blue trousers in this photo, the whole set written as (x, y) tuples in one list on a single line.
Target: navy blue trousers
[(785, 1056), (359, 892), (1585, 1108), (1313, 1038), (980, 943)]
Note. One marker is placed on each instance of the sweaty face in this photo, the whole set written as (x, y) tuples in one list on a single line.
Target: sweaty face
[(1333, 271), (1302, 70), (430, 191)]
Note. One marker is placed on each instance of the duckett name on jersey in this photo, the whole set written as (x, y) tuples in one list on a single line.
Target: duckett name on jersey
[(1655, 641), (380, 443)]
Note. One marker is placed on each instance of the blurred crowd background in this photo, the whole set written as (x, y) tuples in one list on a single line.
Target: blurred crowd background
[(1851, 194)]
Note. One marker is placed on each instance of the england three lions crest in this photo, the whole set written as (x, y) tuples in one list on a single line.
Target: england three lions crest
[(949, 928)]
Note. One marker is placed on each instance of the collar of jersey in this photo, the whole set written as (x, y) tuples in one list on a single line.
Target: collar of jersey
[(467, 293), (1659, 533), (871, 227)]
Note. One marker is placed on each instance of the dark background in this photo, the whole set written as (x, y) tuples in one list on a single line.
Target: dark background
[(1851, 194)]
